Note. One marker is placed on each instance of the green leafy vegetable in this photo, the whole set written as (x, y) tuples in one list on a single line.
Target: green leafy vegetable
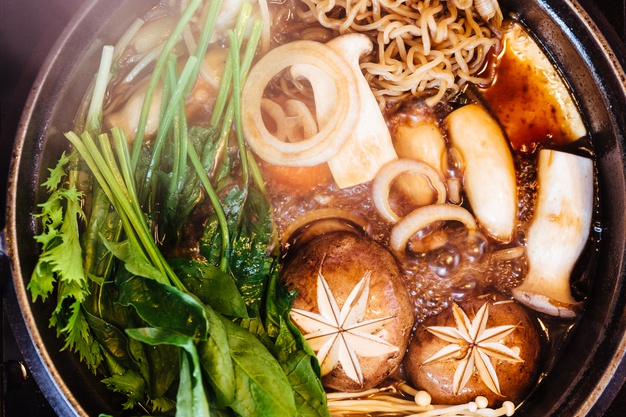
[(211, 285), (199, 336), (183, 313), (262, 386), (217, 362)]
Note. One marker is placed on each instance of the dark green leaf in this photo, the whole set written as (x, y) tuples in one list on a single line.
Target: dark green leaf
[(191, 398), (157, 336), (211, 285), (217, 362), (113, 340), (210, 244), (279, 302), (294, 353), (165, 307), (262, 387), (255, 326), (309, 393), (162, 354), (250, 259), (134, 260), (162, 368)]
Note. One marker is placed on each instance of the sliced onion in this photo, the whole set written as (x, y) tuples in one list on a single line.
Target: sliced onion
[(422, 217), (454, 190), (508, 253), (322, 214), (299, 116), (326, 143), (277, 114), (386, 175)]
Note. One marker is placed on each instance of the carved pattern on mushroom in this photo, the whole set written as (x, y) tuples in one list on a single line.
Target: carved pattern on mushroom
[(340, 336), (474, 346)]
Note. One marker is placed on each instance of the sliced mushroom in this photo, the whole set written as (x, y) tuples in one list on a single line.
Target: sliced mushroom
[(489, 178), (425, 143), (558, 232), (369, 145)]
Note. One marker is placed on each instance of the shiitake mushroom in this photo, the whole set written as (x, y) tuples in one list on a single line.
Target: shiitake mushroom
[(347, 262), (515, 378)]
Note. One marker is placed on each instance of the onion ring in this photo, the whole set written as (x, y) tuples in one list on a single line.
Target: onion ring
[(386, 175), (322, 214), (328, 141), (422, 217)]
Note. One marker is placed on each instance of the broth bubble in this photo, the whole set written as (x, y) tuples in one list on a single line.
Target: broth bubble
[(444, 261), (464, 286), (475, 246)]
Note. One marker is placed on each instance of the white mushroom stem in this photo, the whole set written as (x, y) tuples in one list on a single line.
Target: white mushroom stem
[(558, 232), (425, 143), (489, 178), (369, 145)]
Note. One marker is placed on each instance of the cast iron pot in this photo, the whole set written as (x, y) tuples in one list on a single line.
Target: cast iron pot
[(591, 368)]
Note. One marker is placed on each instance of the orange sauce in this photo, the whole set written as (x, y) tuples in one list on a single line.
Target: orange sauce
[(521, 99)]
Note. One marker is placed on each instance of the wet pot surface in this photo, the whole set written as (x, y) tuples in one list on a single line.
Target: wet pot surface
[(590, 369)]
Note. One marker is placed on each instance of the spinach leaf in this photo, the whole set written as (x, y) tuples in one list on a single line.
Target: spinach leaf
[(211, 285), (191, 398), (187, 392), (217, 362), (178, 207), (162, 368), (134, 260), (293, 352), (111, 339), (249, 220), (164, 307), (211, 242), (250, 260), (296, 362), (251, 240), (262, 387)]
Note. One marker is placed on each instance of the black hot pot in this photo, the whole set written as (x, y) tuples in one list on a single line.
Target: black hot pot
[(591, 368)]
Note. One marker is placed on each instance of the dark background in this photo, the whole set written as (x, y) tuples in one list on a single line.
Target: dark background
[(28, 29)]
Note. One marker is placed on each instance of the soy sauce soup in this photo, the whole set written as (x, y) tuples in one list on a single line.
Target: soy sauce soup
[(383, 202)]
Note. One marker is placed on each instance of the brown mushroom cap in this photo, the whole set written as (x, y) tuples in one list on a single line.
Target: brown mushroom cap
[(344, 258), (515, 378)]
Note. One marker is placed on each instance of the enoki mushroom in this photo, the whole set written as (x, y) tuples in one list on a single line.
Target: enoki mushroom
[(399, 399)]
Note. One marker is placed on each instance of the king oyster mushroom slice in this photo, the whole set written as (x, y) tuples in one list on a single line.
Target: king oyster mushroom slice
[(558, 232), (422, 142), (489, 178), (369, 146)]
